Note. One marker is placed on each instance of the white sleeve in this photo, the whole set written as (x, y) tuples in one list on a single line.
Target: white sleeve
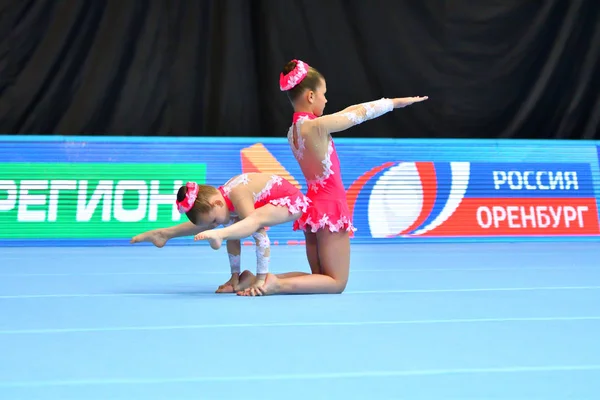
[(354, 115)]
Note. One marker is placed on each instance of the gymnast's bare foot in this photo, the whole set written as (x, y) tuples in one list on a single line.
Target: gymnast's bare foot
[(237, 283), (246, 279), (157, 237), (228, 286), (214, 239)]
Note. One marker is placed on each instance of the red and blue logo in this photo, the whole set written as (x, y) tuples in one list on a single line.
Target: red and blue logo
[(424, 199)]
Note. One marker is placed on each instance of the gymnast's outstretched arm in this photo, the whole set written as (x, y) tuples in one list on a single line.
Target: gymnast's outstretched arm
[(357, 114)]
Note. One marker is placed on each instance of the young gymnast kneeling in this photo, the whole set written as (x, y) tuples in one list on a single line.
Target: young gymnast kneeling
[(254, 196), (327, 224)]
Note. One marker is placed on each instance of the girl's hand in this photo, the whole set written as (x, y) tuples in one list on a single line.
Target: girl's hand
[(407, 101), (255, 287)]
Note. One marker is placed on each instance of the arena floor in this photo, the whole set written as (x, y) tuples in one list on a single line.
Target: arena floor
[(417, 321)]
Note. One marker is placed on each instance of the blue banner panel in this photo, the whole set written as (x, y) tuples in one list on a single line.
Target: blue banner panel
[(103, 190)]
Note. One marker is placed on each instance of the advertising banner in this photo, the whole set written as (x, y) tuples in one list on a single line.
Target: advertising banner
[(464, 199), (90, 200), (105, 189)]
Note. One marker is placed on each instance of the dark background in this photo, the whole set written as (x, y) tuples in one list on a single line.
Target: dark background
[(492, 68)]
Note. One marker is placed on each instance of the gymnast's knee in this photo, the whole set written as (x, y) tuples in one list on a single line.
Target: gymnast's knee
[(339, 286)]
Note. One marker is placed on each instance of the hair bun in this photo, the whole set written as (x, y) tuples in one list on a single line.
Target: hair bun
[(181, 193), (289, 67)]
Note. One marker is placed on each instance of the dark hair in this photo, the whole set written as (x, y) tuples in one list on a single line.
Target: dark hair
[(201, 205), (310, 82)]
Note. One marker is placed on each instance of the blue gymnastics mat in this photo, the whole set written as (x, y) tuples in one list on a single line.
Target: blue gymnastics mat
[(417, 321)]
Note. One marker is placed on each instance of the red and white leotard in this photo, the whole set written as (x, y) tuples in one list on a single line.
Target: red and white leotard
[(328, 208), (277, 191)]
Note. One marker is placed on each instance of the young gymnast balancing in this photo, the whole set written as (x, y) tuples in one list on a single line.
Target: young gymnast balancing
[(327, 223), (270, 198)]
